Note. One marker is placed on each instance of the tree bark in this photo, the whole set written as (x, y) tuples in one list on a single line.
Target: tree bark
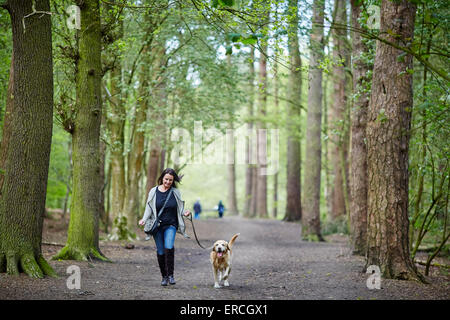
[(22, 204), (293, 201), (158, 107), (388, 133), (311, 195), (339, 122), (249, 148), (358, 153), (136, 155), (116, 127), (261, 177), (6, 134), (82, 238)]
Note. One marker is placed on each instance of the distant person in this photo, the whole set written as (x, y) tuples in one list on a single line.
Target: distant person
[(220, 209), (171, 221), (197, 209)]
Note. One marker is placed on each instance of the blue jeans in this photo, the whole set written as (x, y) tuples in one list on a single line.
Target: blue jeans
[(165, 238)]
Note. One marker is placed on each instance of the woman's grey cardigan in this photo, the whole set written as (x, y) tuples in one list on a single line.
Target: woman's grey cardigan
[(150, 209)]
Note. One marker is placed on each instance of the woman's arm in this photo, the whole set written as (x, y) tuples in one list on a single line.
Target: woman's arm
[(147, 212)]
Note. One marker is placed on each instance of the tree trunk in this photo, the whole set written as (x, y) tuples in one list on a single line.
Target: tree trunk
[(339, 121), (358, 154), (116, 127), (276, 107), (82, 238), (261, 175), (293, 201), (249, 148), (6, 123), (22, 204), (311, 195), (388, 133), (136, 155), (158, 109), (231, 164)]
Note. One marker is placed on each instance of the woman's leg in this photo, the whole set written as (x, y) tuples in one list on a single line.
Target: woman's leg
[(160, 253), (169, 240), (169, 237), (159, 241)]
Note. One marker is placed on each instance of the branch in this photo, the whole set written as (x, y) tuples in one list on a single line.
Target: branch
[(423, 263), (33, 6), (370, 35)]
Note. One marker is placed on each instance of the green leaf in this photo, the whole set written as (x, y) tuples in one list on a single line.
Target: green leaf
[(226, 3), (250, 40), (401, 57), (234, 37)]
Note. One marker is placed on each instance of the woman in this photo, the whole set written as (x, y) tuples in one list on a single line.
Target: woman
[(171, 221)]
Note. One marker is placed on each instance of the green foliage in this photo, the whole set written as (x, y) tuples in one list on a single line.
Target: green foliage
[(429, 148), (123, 233), (336, 226), (5, 60), (59, 169)]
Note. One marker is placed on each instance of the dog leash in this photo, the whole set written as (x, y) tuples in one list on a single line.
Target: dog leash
[(195, 234)]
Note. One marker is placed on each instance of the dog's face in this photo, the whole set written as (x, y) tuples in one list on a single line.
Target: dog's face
[(220, 247)]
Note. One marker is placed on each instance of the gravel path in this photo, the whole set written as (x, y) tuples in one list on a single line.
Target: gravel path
[(270, 261)]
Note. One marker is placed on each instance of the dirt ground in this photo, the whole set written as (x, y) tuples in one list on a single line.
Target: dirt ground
[(270, 262)]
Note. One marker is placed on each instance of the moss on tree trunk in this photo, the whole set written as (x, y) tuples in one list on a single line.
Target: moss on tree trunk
[(82, 238), (26, 161)]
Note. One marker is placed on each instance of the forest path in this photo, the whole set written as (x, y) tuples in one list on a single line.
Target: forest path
[(270, 261)]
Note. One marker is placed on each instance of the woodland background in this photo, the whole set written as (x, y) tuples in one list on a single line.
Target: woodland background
[(357, 89)]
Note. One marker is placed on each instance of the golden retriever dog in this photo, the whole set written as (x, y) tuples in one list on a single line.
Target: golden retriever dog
[(221, 261)]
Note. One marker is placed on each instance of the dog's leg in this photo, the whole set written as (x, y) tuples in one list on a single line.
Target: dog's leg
[(216, 281), (225, 277)]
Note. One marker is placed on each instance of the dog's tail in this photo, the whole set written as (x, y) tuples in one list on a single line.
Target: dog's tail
[(230, 244)]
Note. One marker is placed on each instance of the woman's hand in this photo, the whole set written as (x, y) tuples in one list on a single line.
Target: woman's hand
[(187, 213), (141, 222)]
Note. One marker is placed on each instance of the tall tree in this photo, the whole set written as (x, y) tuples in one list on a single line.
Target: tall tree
[(338, 123), (388, 133), (311, 190), (293, 184), (116, 127), (82, 238), (250, 171), (158, 106), (261, 176), (231, 162), (358, 153), (136, 155), (23, 192)]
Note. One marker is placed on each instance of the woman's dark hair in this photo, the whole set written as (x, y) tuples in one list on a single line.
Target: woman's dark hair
[(172, 172)]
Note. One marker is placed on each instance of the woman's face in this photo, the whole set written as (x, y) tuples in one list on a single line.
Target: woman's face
[(167, 180)]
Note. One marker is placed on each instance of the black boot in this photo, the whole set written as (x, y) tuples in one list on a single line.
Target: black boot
[(170, 263), (163, 269)]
